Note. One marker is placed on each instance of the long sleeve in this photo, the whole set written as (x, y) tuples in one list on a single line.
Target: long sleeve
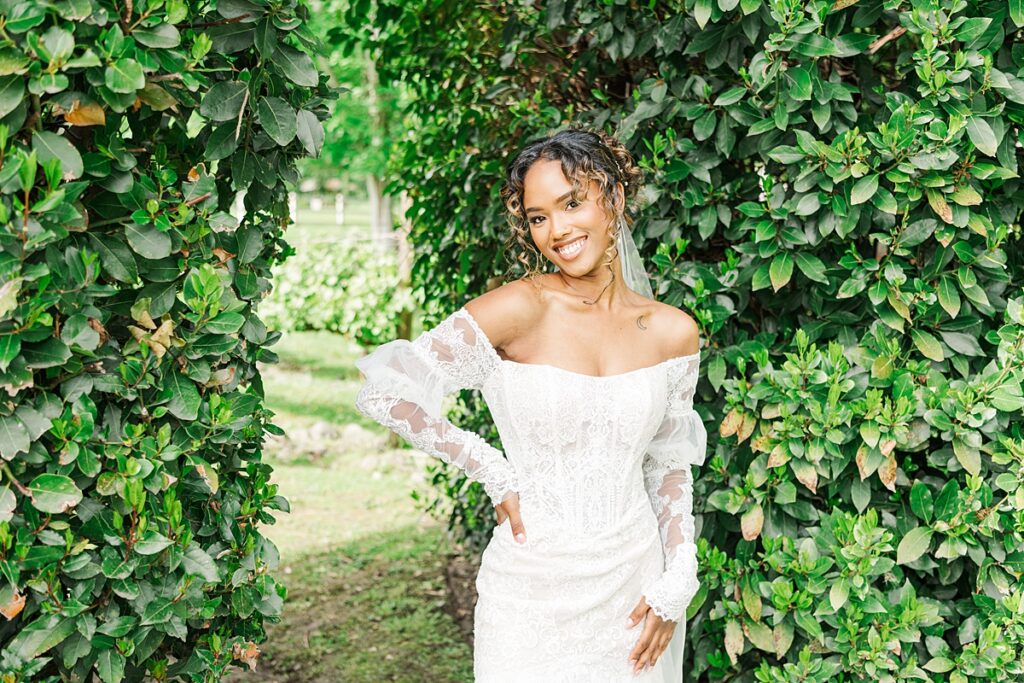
[(406, 382), (679, 444)]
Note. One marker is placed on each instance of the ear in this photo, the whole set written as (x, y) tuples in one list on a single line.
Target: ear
[(620, 196)]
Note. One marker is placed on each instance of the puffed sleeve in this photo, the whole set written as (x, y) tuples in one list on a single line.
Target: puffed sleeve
[(679, 444), (406, 382)]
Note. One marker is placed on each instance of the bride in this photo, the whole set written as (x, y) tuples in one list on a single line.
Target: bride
[(590, 382)]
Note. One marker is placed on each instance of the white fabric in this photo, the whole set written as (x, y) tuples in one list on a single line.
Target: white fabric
[(602, 468), (632, 266)]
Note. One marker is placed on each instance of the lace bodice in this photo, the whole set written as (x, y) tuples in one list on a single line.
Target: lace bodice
[(585, 452)]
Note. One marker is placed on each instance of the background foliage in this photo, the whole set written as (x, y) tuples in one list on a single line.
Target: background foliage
[(834, 195), (131, 416), (349, 288)]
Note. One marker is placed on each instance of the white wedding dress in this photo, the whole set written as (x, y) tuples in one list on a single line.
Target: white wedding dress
[(602, 468)]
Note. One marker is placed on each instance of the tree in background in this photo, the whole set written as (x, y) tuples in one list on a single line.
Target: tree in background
[(131, 410), (833, 192)]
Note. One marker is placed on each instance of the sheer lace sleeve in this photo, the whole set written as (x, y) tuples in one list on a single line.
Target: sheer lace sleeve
[(679, 444), (406, 382)]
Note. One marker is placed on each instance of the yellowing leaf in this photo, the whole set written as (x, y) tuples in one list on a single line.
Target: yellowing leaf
[(90, 114), (751, 522), (939, 206)]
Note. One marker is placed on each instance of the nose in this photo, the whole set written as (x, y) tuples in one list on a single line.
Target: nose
[(559, 227)]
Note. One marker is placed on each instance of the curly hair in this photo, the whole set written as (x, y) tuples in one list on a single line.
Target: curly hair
[(585, 155)]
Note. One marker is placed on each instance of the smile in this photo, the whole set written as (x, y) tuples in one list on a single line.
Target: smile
[(571, 250)]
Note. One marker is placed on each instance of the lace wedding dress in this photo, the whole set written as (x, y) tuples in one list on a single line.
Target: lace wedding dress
[(602, 466)]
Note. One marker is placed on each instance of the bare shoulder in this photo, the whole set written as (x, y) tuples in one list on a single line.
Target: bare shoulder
[(679, 332), (502, 312)]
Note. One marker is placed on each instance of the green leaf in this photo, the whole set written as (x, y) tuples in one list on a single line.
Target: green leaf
[(310, 132), (963, 343), (968, 456), (225, 323), (46, 354), (981, 135), (49, 146), (224, 101), (110, 665), (185, 397), (839, 593), (914, 544), (41, 635), (54, 493), (250, 244), (780, 270), (811, 266), (949, 296), (921, 501), (800, 83), (147, 241), (222, 141), (864, 189), (702, 12), (151, 543), (277, 118), (78, 332), (158, 611), (1017, 12), (296, 66), (125, 76), (927, 344), (266, 38), (162, 35), (197, 561), (12, 90), (10, 347), (117, 259), (14, 437)]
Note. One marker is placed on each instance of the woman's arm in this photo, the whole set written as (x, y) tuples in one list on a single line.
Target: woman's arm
[(406, 382)]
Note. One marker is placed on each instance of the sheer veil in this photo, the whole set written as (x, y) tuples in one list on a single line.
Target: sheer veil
[(633, 271), (635, 276)]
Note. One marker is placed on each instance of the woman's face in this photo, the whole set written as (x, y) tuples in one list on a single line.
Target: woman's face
[(572, 234)]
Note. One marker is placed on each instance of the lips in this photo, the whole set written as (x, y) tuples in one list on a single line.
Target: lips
[(572, 249)]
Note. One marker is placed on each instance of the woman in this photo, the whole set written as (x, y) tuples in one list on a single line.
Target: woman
[(590, 382)]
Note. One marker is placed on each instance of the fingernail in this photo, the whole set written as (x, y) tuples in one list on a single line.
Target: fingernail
[(521, 537), (629, 622)]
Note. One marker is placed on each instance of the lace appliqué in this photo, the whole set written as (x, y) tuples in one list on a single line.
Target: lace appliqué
[(679, 443), (406, 382)]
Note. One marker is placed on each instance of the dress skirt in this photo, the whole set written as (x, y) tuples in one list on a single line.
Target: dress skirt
[(553, 610)]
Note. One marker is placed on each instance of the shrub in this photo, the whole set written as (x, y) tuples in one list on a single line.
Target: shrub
[(833, 193), (132, 415), (348, 287)]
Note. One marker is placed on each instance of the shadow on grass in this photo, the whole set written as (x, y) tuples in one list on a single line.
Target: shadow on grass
[(371, 610)]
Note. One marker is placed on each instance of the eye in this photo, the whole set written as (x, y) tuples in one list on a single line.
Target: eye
[(572, 201), (535, 218)]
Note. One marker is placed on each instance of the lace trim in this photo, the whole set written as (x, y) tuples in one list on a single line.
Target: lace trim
[(405, 384)]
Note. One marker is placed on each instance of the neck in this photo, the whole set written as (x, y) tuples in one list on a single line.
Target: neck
[(597, 289)]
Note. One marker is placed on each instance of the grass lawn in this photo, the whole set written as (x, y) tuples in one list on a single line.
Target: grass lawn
[(364, 569)]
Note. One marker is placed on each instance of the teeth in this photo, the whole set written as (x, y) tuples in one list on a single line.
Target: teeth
[(572, 248)]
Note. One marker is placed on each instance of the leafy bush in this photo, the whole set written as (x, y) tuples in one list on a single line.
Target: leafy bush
[(132, 415), (833, 193), (347, 286)]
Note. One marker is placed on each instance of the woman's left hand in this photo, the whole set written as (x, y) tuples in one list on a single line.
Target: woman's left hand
[(654, 639)]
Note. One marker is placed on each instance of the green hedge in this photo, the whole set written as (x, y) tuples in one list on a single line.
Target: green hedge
[(833, 193), (347, 286), (131, 410)]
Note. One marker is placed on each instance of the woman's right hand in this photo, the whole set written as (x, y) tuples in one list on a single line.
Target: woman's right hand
[(508, 508)]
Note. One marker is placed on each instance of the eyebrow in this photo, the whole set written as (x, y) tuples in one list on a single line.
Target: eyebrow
[(557, 201)]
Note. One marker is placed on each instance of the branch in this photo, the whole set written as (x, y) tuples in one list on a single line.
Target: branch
[(232, 20), (891, 35)]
